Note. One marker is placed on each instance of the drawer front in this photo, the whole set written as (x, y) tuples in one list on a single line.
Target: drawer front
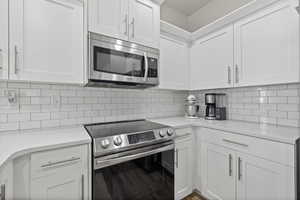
[(47, 162), (183, 132), (273, 151)]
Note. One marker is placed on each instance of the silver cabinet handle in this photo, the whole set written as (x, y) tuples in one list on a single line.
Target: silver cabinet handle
[(237, 80), (176, 158), (229, 74), (82, 187), (126, 25), (233, 142), (230, 165), (1, 66), (146, 67), (51, 164), (2, 192), (133, 28), (16, 59), (239, 169)]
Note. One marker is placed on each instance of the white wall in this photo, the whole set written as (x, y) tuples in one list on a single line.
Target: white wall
[(212, 11), (174, 17)]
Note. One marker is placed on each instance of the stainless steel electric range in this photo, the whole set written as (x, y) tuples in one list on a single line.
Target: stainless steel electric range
[(132, 160)]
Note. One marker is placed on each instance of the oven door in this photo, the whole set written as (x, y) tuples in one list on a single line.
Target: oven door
[(114, 62), (140, 174)]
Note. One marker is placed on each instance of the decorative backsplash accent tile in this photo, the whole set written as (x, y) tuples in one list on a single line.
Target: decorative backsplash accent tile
[(48, 105), (277, 104)]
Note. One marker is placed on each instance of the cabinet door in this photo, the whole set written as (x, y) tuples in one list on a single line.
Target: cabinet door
[(6, 181), (46, 40), (183, 168), (144, 23), (174, 70), (4, 39), (212, 61), (261, 179), (218, 172), (109, 17), (63, 184), (267, 46)]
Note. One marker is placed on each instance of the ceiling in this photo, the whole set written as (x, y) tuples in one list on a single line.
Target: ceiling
[(187, 7)]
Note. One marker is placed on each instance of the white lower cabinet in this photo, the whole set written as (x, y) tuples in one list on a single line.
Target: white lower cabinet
[(262, 179), (60, 174), (6, 182), (183, 167), (232, 168), (218, 172)]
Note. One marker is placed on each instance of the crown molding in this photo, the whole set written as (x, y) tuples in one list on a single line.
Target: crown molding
[(158, 1), (171, 30)]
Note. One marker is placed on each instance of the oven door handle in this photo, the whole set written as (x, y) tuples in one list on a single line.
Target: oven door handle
[(146, 67), (101, 163)]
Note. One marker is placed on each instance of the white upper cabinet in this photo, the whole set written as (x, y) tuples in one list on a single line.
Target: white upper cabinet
[(134, 20), (47, 41), (144, 22), (4, 39), (174, 64), (267, 46), (212, 61), (109, 17)]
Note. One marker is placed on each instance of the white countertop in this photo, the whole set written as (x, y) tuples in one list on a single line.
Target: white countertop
[(282, 134), (17, 143)]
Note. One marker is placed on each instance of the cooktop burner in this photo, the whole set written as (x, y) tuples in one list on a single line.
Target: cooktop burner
[(113, 137)]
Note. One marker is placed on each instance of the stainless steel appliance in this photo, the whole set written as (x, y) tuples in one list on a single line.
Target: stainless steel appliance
[(191, 107), (118, 63), (215, 106), (132, 160), (210, 102)]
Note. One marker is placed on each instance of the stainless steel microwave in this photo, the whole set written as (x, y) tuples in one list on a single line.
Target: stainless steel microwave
[(118, 63)]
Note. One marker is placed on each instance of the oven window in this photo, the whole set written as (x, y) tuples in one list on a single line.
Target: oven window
[(148, 178), (117, 62)]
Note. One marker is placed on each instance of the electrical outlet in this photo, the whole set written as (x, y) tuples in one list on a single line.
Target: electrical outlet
[(12, 96), (56, 100)]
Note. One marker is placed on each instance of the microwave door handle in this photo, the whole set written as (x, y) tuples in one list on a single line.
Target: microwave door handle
[(146, 67)]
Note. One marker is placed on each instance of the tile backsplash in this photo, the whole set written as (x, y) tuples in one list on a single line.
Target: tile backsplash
[(52, 105), (277, 104)]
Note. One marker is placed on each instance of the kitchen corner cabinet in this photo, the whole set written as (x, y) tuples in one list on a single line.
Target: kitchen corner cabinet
[(267, 46), (212, 60), (241, 167), (137, 21), (46, 41), (174, 64), (4, 39), (60, 174), (6, 181), (183, 167)]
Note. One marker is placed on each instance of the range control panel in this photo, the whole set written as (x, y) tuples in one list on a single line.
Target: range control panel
[(118, 142)]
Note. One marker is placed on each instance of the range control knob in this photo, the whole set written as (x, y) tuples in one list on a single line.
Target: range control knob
[(162, 133), (118, 141), (170, 132), (105, 143)]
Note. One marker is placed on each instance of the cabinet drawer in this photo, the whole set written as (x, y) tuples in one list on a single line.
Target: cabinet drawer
[(274, 151), (183, 132), (47, 162)]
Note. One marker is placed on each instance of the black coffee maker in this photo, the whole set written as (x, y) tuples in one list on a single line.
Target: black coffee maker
[(215, 110)]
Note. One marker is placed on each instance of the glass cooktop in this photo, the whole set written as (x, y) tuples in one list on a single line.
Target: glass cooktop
[(124, 127)]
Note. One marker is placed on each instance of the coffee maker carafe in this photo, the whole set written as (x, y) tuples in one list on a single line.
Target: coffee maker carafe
[(210, 102)]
